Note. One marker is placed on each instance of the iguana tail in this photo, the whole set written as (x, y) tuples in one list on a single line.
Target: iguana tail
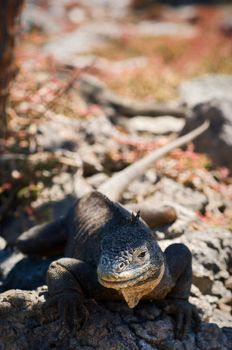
[(49, 239), (45, 240), (114, 187)]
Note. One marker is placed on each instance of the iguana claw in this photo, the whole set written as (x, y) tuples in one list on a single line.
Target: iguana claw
[(184, 313)]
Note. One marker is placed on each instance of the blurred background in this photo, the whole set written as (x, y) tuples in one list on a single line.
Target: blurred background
[(67, 71), (86, 89), (89, 87), (142, 49)]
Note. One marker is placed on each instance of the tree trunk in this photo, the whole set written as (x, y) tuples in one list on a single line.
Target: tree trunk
[(9, 10)]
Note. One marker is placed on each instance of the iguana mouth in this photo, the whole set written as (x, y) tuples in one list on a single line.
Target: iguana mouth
[(135, 288), (120, 284), (129, 282)]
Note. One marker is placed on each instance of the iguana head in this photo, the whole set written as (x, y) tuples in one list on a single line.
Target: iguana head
[(131, 261)]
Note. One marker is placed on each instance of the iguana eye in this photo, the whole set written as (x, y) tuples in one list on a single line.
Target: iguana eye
[(141, 255)]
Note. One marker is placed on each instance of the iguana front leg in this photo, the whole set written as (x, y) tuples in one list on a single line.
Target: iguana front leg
[(69, 282), (65, 291), (179, 262)]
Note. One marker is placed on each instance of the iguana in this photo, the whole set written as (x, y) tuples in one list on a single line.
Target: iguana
[(111, 254)]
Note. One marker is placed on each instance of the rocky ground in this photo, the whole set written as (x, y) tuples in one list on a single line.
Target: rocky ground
[(25, 324), (110, 326), (69, 132)]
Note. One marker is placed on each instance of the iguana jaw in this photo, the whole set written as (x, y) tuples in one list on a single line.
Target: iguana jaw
[(133, 295), (137, 280), (120, 284), (134, 289)]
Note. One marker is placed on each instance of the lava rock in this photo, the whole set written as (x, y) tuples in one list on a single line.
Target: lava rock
[(212, 253), (26, 325), (216, 141)]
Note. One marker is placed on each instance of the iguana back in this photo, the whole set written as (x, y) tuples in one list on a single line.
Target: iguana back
[(91, 217), (93, 214)]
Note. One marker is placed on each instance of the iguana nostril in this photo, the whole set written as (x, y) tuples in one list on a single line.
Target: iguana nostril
[(120, 267)]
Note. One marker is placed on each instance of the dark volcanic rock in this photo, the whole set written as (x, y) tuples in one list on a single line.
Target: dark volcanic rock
[(217, 140), (25, 325), (212, 266), (210, 97)]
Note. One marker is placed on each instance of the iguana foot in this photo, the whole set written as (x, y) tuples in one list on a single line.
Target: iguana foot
[(185, 314), (73, 314)]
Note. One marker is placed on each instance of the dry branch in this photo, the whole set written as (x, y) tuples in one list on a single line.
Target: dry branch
[(114, 187)]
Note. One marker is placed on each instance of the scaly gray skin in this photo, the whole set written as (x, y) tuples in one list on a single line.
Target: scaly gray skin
[(112, 255)]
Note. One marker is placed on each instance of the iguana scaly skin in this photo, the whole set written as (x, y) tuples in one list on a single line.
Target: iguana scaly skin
[(111, 254)]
